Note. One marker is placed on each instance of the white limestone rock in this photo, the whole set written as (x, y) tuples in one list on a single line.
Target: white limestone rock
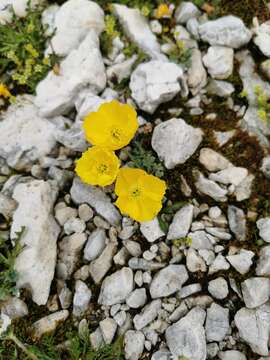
[(262, 38), (151, 230), (116, 288), (254, 328), (147, 315), (220, 88), (72, 23), (18, 7), (138, 30), (241, 261), (217, 323), (82, 68), (185, 11), (181, 223), (49, 323), (95, 244), (36, 263), (209, 187), (134, 344), (226, 31), (168, 280), (150, 88), (256, 291), (81, 298), (175, 141), (96, 198), (197, 75), (219, 62), (187, 336), (263, 225), (263, 264), (26, 137)]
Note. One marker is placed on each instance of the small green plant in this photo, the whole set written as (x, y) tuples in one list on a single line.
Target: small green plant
[(180, 53), (185, 241), (263, 104), (22, 45), (146, 160), (8, 275), (111, 31)]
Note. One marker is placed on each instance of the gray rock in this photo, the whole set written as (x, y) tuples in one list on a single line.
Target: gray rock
[(74, 225), (148, 314), (16, 7), (231, 355), (134, 344), (168, 280), (232, 175), (121, 71), (209, 187), (241, 261), (263, 264), (142, 264), (256, 291), (218, 264), (175, 141), (83, 67), (200, 240), (64, 213), (116, 287), (137, 298), (188, 290), (72, 22), (197, 75), (266, 167), (254, 326), (151, 230), (14, 308), (222, 137), (218, 288), (81, 298), (220, 88), (99, 267), (108, 329), (187, 337), (138, 30), (133, 247), (213, 161), (195, 262), (226, 31), (237, 222), (150, 89), (69, 253), (20, 120), (96, 339), (262, 38), (96, 198), (185, 11), (217, 323), (95, 244), (219, 62), (36, 262), (244, 189), (49, 323), (181, 223), (264, 228), (162, 355), (85, 212)]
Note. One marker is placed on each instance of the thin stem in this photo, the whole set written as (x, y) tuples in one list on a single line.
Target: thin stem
[(16, 341)]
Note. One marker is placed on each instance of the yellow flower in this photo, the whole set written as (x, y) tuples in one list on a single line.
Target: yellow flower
[(162, 11), (4, 91), (112, 126), (98, 166), (139, 194)]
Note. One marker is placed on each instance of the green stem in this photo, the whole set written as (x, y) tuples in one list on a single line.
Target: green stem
[(20, 345)]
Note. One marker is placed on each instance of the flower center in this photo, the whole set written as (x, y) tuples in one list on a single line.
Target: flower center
[(135, 193), (116, 134), (102, 168)]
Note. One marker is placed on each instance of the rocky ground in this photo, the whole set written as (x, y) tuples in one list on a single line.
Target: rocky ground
[(193, 283)]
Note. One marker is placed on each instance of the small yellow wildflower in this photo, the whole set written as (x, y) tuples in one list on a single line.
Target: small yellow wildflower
[(4, 92), (31, 50), (98, 166), (262, 114), (139, 194), (112, 126), (162, 11)]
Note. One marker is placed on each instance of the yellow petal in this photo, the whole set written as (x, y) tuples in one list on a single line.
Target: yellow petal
[(98, 166), (126, 179), (153, 187), (113, 126)]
